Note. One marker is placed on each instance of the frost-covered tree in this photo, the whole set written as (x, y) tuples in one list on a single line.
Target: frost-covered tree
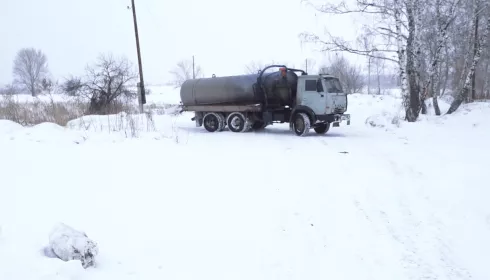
[(185, 70), (30, 68), (349, 75), (433, 42), (395, 32), (480, 43)]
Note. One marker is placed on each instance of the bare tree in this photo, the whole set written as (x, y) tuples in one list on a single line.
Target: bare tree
[(366, 41), (349, 75), (30, 68), (438, 27), (429, 52), (106, 81), (184, 71), (379, 69), (396, 45)]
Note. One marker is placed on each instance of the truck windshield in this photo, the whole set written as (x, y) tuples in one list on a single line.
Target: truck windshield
[(333, 85)]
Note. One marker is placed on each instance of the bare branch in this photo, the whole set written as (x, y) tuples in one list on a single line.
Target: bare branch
[(106, 81), (339, 45)]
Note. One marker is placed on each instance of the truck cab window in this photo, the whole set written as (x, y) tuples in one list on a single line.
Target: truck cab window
[(333, 85), (310, 85)]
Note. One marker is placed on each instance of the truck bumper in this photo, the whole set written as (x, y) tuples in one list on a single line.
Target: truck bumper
[(341, 118), (334, 119)]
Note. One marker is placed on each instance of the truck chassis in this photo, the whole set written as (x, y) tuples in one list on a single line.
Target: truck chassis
[(244, 118)]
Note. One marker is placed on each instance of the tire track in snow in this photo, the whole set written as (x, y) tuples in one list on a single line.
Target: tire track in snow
[(410, 231)]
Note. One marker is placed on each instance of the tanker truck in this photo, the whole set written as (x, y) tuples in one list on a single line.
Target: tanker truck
[(252, 102)]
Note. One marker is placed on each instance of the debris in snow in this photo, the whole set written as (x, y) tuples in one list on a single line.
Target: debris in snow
[(69, 244), (383, 120)]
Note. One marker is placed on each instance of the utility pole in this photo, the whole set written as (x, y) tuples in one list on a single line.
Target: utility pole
[(193, 69), (141, 83), (306, 65)]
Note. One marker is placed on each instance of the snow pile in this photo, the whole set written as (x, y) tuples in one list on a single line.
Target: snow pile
[(386, 111), (44, 132), (383, 120), (69, 244), (379, 111)]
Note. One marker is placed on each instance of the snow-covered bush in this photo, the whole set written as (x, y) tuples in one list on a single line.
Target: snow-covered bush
[(383, 120)]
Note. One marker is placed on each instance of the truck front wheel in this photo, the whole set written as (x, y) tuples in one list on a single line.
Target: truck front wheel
[(322, 128), (301, 124)]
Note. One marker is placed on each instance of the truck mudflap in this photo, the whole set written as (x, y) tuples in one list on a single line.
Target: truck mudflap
[(197, 120), (340, 118)]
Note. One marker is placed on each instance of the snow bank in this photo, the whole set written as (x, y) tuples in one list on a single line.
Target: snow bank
[(125, 125), (378, 111), (386, 111), (384, 120), (44, 132), (7, 127)]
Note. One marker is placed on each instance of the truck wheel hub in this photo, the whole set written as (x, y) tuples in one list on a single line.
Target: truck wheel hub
[(299, 125), (236, 122)]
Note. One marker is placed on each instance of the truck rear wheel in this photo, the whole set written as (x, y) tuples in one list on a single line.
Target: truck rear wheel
[(301, 124), (222, 120), (322, 128), (237, 122), (212, 122)]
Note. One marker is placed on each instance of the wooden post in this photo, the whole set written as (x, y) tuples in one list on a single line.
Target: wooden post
[(140, 97), (141, 84)]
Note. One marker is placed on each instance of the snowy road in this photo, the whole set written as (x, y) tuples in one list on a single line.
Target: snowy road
[(403, 204)]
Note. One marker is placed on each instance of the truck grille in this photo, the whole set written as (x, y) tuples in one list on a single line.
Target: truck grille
[(338, 110)]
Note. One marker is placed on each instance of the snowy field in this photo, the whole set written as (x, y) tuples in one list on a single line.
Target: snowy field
[(381, 199), (158, 95)]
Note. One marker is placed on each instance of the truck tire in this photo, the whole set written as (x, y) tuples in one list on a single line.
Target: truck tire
[(237, 122), (222, 120), (212, 122), (301, 124), (322, 128)]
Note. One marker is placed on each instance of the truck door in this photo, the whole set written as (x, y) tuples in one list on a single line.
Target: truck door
[(310, 97)]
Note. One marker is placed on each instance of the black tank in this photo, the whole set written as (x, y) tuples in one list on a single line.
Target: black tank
[(241, 89)]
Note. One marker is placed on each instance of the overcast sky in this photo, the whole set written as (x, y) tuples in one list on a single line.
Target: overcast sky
[(224, 35)]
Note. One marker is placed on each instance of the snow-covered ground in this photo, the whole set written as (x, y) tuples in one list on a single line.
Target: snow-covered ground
[(380, 199)]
